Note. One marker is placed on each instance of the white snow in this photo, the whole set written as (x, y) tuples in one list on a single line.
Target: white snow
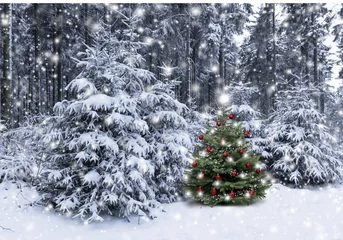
[(285, 214)]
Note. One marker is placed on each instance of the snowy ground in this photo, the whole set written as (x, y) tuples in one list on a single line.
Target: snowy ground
[(285, 214)]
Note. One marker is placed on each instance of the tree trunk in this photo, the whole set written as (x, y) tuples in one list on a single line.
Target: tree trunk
[(58, 47), (274, 62), (6, 77), (188, 61), (85, 8), (315, 64), (36, 86)]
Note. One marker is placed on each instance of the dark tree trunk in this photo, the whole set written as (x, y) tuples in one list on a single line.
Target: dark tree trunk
[(6, 76), (274, 62), (315, 64), (58, 47), (36, 86), (85, 20)]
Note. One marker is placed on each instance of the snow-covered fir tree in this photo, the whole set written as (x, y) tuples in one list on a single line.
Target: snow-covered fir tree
[(97, 146), (168, 136), (101, 143), (239, 97), (301, 146)]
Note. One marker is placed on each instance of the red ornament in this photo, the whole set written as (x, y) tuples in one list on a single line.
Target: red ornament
[(194, 164), (218, 177), (251, 192), (258, 171), (208, 149), (219, 123), (232, 194), (225, 154), (234, 173), (241, 151), (199, 189), (246, 133), (231, 116), (248, 165), (201, 137), (214, 192)]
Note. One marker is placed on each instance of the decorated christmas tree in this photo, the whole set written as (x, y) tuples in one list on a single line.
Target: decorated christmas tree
[(223, 172)]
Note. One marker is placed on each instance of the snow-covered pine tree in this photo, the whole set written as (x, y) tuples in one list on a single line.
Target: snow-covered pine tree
[(240, 97), (104, 157), (301, 146), (99, 159), (169, 137)]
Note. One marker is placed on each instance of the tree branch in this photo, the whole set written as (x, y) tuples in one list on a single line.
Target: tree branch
[(8, 229)]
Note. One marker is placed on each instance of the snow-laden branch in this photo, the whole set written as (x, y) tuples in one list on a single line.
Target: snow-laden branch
[(6, 229), (6, 157)]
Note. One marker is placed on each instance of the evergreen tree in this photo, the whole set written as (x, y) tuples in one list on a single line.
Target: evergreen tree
[(223, 170), (97, 144), (240, 103), (301, 146), (123, 148), (169, 138)]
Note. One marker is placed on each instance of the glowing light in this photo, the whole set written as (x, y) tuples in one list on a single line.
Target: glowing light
[(196, 11), (223, 99), (148, 40), (140, 12), (214, 69)]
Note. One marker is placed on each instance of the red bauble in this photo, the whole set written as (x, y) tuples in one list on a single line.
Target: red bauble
[(231, 116), (214, 192), (258, 171), (225, 154), (194, 164), (199, 189), (232, 194), (251, 192), (201, 137), (218, 177), (241, 151), (219, 123), (248, 165), (234, 173), (208, 149), (246, 133)]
